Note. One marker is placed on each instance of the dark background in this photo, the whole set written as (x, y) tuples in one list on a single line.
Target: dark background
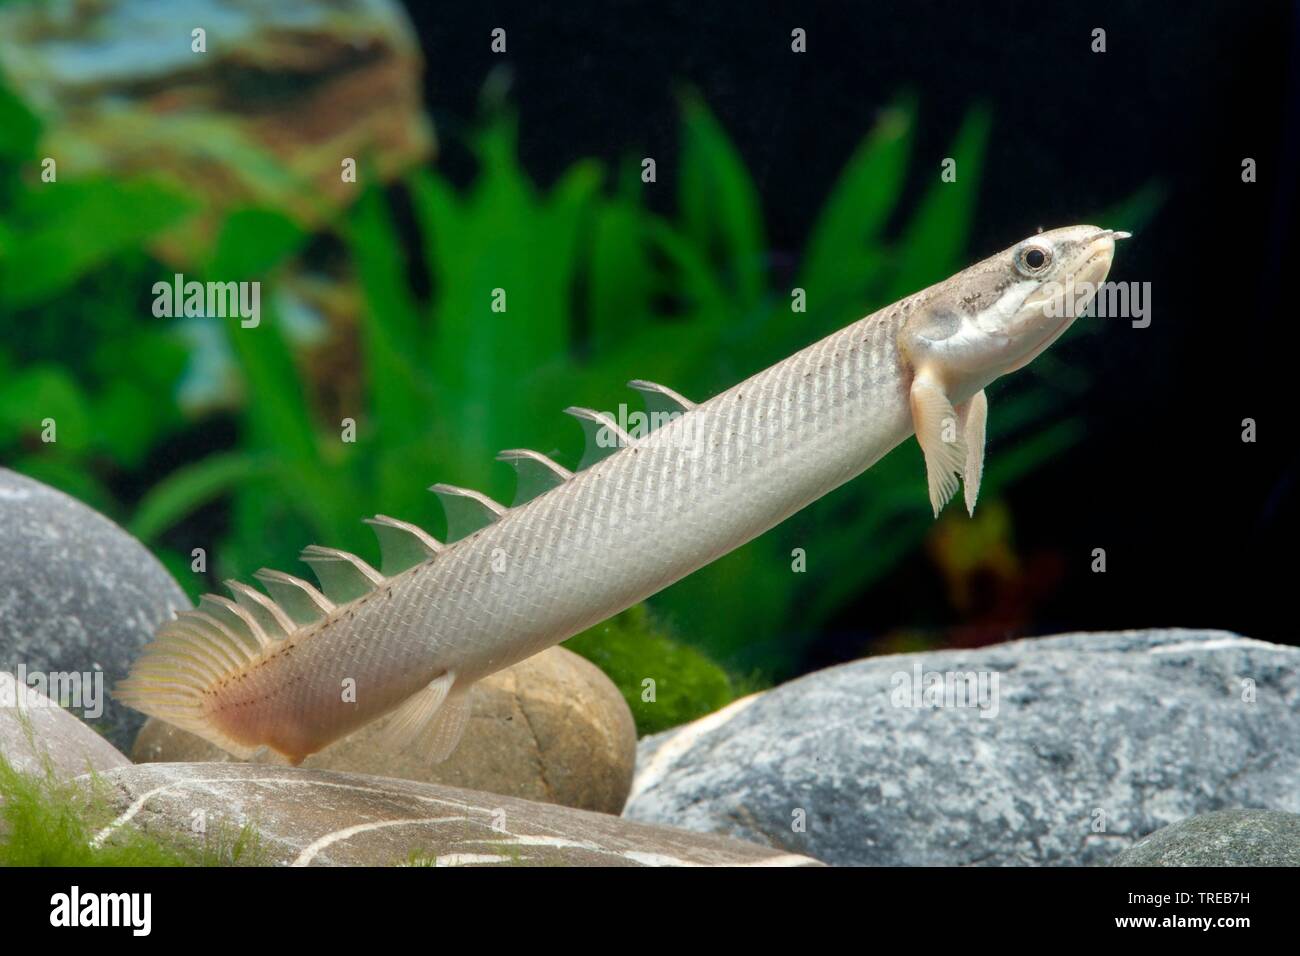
[(1196, 524)]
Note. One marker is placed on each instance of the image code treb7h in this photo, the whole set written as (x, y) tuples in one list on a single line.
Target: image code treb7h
[(546, 435)]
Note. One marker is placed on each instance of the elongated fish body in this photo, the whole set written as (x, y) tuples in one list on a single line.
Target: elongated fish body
[(296, 675), (653, 512)]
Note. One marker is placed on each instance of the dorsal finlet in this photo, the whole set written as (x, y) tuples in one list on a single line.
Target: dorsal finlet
[(274, 621), (535, 473), (302, 602), (215, 628), (467, 510), (343, 576), (604, 435), (402, 545), (211, 631), (660, 399), (234, 617), (177, 631)]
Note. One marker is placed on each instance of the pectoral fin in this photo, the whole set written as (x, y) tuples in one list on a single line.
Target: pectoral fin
[(431, 721), (442, 735), (939, 433), (974, 417), (416, 711)]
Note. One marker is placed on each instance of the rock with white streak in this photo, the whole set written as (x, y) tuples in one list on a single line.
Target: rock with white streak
[(301, 817), (1084, 744)]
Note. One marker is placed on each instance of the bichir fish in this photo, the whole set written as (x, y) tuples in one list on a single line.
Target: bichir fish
[(274, 669)]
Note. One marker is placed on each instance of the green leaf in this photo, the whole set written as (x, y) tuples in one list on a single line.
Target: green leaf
[(442, 225), (934, 243), (71, 228), (696, 280), (20, 129), (253, 242), (565, 213), (390, 332), (128, 421), (504, 245), (620, 277), (189, 488), (279, 424), (844, 252), (41, 393), (719, 202)]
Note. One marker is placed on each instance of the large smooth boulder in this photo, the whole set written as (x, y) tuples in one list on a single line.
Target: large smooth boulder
[(1224, 838), (78, 595), (37, 736), (306, 817), (1088, 743), (552, 728)]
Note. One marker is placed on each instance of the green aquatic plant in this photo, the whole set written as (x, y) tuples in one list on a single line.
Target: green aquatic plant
[(74, 349), (48, 822)]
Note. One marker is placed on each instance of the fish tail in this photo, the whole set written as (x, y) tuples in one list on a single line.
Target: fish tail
[(179, 676)]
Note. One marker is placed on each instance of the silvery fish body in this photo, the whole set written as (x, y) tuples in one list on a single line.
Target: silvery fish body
[(301, 667)]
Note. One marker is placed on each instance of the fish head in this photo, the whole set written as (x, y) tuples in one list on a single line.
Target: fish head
[(1001, 313)]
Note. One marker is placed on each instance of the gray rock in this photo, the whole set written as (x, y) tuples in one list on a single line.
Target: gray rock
[(77, 595), (1225, 838), (552, 728), (38, 736), (1096, 741), (324, 818)]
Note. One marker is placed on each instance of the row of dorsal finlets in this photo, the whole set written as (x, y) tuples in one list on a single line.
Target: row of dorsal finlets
[(244, 626)]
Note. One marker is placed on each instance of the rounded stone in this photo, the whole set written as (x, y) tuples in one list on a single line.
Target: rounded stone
[(552, 728), (78, 595), (37, 736), (995, 756), (1224, 838)]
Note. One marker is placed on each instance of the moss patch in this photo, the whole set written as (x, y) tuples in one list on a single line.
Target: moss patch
[(630, 650), (44, 822)]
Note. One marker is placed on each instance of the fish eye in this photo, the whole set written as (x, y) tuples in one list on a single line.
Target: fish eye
[(1033, 260)]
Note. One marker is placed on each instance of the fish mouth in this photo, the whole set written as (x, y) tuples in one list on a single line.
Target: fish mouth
[(1101, 253), (1092, 272)]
